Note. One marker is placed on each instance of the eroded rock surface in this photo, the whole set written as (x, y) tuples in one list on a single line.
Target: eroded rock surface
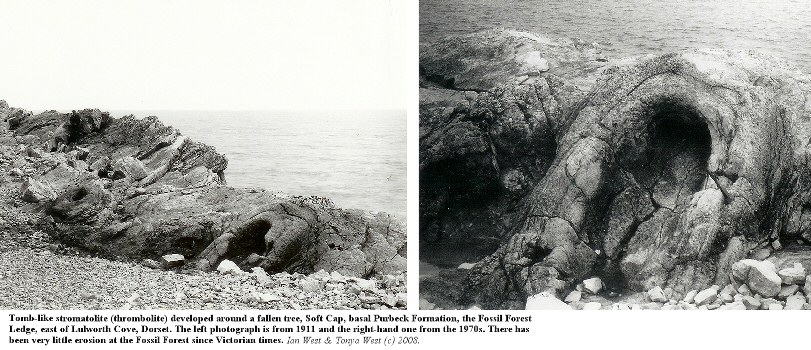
[(663, 174), (138, 189), (482, 151)]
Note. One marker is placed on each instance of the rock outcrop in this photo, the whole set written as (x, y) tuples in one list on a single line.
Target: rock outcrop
[(132, 188), (664, 172), (481, 152)]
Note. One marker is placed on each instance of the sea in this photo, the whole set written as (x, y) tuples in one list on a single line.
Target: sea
[(625, 28), (355, 158)]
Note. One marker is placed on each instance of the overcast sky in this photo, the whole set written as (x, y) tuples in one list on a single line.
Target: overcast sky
[(204, 55)]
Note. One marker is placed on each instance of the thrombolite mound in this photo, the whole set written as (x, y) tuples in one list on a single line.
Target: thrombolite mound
[(664, 173), (481, 152), (138, 189)]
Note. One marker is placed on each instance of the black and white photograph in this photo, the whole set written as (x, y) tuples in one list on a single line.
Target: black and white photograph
[(188, 155), (614, 155)]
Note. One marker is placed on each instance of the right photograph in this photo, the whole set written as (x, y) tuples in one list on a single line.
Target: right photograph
[(613, 155)]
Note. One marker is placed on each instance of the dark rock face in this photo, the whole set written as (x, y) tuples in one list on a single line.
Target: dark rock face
[(138, 189), (665, 173), (481, 153), (479, 158)]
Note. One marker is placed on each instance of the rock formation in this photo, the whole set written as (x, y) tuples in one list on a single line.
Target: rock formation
[(651, 171), (132, 188)]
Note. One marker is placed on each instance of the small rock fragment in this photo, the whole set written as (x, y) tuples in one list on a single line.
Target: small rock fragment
[(335, 276), (787, 291), (738, 305), (545, 301), (751, 303), (652, 306), (573, 296), (657, 295), (793, 275), (593, 285), (267, 297), (152, 264), (426, 305), (254, 259), (33, 152), (321, 274), (728, 289), (311, 285), (365, 285), (465, 266), (402, 299), (725, 297), (744, 290), (761, 254), (764, 303), (706, 296), (228, 267), (795, 302), (261, 275), (173, 260), (690, 296)]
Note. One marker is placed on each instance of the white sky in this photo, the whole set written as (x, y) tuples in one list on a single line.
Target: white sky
[(204, 55)]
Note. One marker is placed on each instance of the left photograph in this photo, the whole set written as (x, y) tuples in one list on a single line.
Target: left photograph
[(203, 155)]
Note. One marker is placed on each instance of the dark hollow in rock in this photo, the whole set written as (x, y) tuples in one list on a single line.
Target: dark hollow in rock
[(79, 194), (248, 240), (659, 170)]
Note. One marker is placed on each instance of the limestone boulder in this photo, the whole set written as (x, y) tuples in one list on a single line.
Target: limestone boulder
[(795, 302), (173, 260), (227, 267), (707, 296), (34, 191), (130, 168), (593, 285), (793, 275), (760, 276), (657, 295), (573, 296), (751, 303)]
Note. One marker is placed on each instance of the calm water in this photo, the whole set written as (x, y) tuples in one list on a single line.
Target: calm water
[(630, 27), (357, 159)]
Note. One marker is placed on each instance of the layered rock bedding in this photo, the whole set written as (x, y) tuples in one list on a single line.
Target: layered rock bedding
[(84, 185), (549, 164)]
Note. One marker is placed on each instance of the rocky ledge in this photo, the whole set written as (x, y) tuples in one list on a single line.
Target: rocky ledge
[(84, 183), (549, 163)]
